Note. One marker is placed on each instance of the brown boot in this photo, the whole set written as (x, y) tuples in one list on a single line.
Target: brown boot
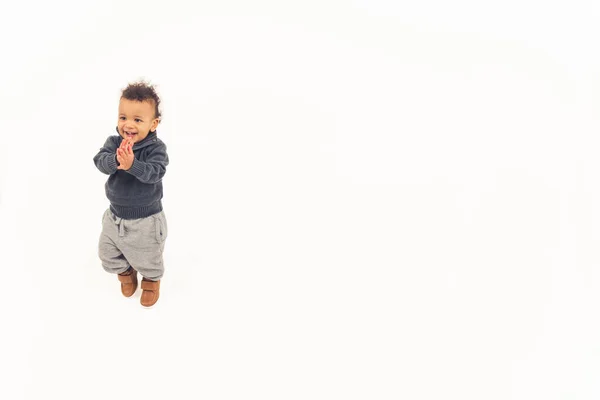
[(129, 282), (151, 291)]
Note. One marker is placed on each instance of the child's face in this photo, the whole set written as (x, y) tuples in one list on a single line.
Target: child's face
[(136, 119)]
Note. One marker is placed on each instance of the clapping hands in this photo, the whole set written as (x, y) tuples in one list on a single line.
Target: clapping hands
[(125, 154)]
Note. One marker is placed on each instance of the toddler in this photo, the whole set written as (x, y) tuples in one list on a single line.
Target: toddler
[(134, 227)]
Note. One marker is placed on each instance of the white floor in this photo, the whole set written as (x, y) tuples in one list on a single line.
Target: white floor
[(364, 202)]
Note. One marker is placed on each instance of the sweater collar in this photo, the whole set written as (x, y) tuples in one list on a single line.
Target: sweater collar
[(151, 138)]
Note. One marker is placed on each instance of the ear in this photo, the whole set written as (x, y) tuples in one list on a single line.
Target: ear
[(154, 124)]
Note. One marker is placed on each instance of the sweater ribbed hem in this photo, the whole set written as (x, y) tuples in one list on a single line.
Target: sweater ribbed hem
[(136, 212)]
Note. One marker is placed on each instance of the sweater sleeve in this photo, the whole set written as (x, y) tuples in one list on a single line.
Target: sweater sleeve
[(106, 158), (153, 168)]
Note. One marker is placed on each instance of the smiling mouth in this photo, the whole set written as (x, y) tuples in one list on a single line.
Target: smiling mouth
[(130, 134)]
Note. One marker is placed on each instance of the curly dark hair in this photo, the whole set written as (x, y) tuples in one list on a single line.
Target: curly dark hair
[(142, 91)]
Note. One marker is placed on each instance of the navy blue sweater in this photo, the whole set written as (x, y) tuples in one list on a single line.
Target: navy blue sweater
[(137, 192)]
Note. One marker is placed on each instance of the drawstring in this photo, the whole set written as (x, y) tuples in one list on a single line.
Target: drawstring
[(118, 221)]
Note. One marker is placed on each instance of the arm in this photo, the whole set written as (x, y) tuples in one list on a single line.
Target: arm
[(106, 159), (153, 169)]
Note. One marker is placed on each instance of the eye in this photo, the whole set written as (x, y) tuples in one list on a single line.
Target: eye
[(122, 118), (138, 120)]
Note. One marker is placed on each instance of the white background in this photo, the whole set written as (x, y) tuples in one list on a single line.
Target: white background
[(365, 200)]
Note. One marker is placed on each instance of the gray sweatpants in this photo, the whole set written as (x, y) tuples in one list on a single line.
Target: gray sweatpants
[(133, 242)]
